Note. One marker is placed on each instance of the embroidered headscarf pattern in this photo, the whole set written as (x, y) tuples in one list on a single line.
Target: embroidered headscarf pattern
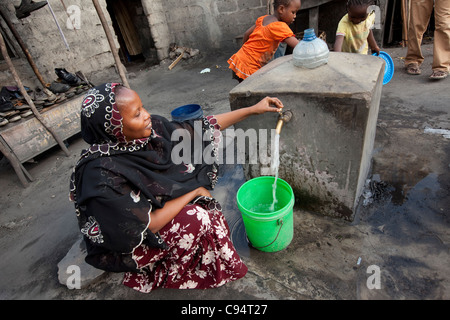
[(92, 230)]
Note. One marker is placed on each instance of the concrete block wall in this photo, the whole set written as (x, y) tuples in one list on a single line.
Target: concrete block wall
[(214, 24), (89, 48), (201, 24)]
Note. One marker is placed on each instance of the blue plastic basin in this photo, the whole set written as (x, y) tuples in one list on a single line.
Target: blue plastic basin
[(187, 112), (389, 68)]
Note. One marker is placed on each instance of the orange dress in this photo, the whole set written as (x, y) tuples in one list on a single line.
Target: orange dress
[(259, 48)]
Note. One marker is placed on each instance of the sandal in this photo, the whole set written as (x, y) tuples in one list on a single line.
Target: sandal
[(438, 75), (3, 122), (413, 69)]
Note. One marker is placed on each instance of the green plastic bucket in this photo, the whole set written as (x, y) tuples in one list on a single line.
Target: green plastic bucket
[(267, 230)]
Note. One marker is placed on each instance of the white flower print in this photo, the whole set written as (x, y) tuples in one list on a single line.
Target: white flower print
[(191, 212), (221, 232), (185, 259), (203, 216), (201, 273), (173, 270), (208, 257), (186, 241), (175, 227), (189, 285), (225, 252)]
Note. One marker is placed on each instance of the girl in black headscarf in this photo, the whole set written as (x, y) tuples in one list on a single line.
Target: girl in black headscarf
[(142, 211)]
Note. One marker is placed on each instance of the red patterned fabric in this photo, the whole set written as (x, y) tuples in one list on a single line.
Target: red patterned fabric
[(200, 254)]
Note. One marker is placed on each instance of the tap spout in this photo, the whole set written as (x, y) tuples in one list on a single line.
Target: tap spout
[(283, 117)]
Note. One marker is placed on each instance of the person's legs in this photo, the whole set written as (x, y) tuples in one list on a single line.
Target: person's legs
[(420, 17), (441, 51)]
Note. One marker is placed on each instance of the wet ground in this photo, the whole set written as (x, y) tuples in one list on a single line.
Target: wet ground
[(402, 236)]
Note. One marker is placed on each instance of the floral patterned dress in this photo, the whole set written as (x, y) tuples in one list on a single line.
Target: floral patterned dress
[(200, 254)]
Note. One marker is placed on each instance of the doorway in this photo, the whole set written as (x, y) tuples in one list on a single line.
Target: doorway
[(133, 32)]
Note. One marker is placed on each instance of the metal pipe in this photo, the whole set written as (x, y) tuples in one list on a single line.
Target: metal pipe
[(58, 26), (283, 117)]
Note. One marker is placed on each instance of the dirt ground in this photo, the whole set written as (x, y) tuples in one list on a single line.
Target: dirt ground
[(405, 234)]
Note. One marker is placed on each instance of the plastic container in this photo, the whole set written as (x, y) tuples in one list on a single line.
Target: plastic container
[(187, 112), (388, 68), (311, 52), (268, 231)]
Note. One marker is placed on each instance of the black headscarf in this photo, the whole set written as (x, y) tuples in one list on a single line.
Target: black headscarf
[(116, 184)]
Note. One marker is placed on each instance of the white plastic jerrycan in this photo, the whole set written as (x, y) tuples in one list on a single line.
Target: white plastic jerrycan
[(311, 52)]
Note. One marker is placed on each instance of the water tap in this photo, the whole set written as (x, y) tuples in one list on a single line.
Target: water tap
[(283, 117)]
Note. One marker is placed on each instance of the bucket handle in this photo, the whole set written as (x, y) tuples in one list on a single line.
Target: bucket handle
[(280, 222)]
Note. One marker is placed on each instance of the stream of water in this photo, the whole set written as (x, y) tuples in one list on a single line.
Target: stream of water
[(275, 163)]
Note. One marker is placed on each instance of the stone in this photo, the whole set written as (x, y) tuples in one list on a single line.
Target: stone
[(73, 264), (326, 148)]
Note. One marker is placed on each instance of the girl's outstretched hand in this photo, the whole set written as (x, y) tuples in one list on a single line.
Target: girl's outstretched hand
[(268, 104)]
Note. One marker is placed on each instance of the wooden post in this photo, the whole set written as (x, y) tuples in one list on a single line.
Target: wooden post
[(109, 36), (314, 19), (27, 97), (25, 51), (15, 163)]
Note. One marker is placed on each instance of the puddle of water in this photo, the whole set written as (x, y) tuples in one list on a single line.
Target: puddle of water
[(421, 216)]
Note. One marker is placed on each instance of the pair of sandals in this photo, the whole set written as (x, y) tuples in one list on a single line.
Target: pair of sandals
[(414, 69)]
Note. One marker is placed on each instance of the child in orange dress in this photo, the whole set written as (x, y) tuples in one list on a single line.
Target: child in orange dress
[(262, 40)]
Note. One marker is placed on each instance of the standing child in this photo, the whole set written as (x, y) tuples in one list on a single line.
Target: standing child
[(262, 40), (354, 33)]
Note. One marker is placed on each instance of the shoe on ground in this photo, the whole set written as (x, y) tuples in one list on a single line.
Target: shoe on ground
[(26, 113), (3, 122), (5, 105), (438, 75), (48, 104), (9, 113), (61, 97), (14, 118), (58, 87), (22, 107), (39, 95), (28, 6), (67, 77), (413, 69)]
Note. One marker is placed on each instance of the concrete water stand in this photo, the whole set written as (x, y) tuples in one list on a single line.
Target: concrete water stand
[(326, 149)]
